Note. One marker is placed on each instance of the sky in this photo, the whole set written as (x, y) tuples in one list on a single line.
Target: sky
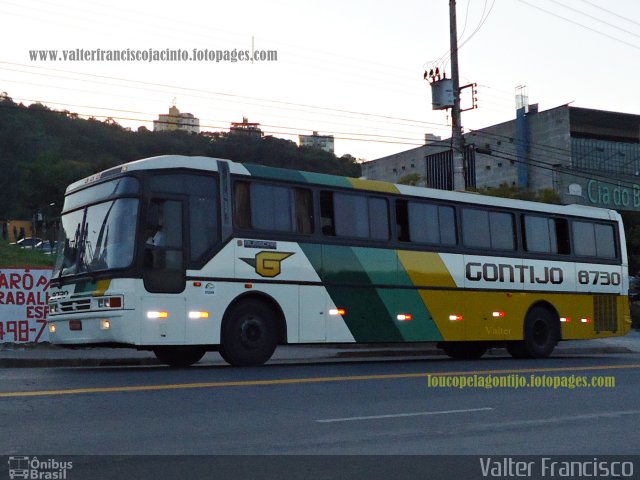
[(349, 68)]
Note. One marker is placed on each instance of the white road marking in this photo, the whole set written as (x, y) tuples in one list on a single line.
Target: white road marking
[(569, 418), (400, 415)]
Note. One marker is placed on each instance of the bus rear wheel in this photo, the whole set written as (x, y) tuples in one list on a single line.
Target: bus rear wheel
[(249, 334), (541, 334), (179, 356), (464, 350)]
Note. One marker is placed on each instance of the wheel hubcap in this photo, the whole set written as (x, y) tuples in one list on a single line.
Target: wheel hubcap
[(540, 333), (251, 333)]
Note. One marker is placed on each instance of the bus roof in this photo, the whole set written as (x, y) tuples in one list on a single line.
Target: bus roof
[(298, 176)]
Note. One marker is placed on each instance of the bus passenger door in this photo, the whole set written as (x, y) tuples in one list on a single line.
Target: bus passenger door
[(312, 316), (164, 256), (164, 273)]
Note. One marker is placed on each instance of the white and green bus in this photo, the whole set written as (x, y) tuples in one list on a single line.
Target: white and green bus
[(183, 255)]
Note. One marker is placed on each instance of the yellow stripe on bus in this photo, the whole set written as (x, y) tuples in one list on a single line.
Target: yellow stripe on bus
[(373, 185)]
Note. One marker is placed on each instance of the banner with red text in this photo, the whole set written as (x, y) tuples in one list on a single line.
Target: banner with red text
[(24, 294)]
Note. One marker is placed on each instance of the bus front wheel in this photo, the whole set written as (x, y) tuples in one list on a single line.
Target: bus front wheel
[(249, 334), (179, 356)]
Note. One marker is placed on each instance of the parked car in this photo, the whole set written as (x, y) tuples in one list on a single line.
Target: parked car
[(28, 242), (47, 247)]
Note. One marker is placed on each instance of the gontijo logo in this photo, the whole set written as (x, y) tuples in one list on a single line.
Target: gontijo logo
[(267, 264)]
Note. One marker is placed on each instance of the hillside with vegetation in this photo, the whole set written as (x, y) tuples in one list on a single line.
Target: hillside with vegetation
[(43, 150)]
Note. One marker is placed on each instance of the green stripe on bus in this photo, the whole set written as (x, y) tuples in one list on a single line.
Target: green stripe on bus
[(384, 268), (324, 179), (275, 173), (367, 316), (421, 327)]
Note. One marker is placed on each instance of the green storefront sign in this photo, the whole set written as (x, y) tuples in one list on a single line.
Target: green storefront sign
[(596, 192)]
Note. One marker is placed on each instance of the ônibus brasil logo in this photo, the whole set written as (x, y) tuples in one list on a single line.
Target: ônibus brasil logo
[(36, 469)]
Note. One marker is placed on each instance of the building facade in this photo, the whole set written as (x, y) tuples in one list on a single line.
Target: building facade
[(246, 128), (323, 142), (588, 156), (175, 120)]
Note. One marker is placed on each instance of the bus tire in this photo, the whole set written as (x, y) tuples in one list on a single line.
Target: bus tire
[(541, 332), (464, 350), (179, 356), (249, 334)]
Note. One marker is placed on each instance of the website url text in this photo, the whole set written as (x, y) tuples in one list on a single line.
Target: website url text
[(153, 55)]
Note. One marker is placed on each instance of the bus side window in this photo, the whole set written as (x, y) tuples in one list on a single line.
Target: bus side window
[(489, 230), (241, 205), (378, 218), (594, 240), (545, 235), (434, 224), (402, 220), (303, 203), (562, 235), (327, 220), (271, 207)]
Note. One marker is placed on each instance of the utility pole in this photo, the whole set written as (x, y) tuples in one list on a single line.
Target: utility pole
[(459, 170)]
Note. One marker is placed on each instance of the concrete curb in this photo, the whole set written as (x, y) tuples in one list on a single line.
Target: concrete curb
[(36, 356), (75, 362)]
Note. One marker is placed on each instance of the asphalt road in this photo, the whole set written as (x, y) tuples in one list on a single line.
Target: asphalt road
[(337, 408)]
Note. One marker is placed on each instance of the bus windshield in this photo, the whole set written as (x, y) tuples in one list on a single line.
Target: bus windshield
[(96, 238)]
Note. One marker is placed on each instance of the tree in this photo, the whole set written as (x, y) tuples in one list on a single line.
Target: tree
[(546, 195), (43, 150), (413, 179)]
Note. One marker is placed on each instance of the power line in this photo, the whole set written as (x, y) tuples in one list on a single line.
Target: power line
[(210, 92), (274, 132), (442, 61), (580, 25), (575, 173), (476, 133), (592, 17), (190, 29), (532, 161), (153, 114), (610, 12)]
